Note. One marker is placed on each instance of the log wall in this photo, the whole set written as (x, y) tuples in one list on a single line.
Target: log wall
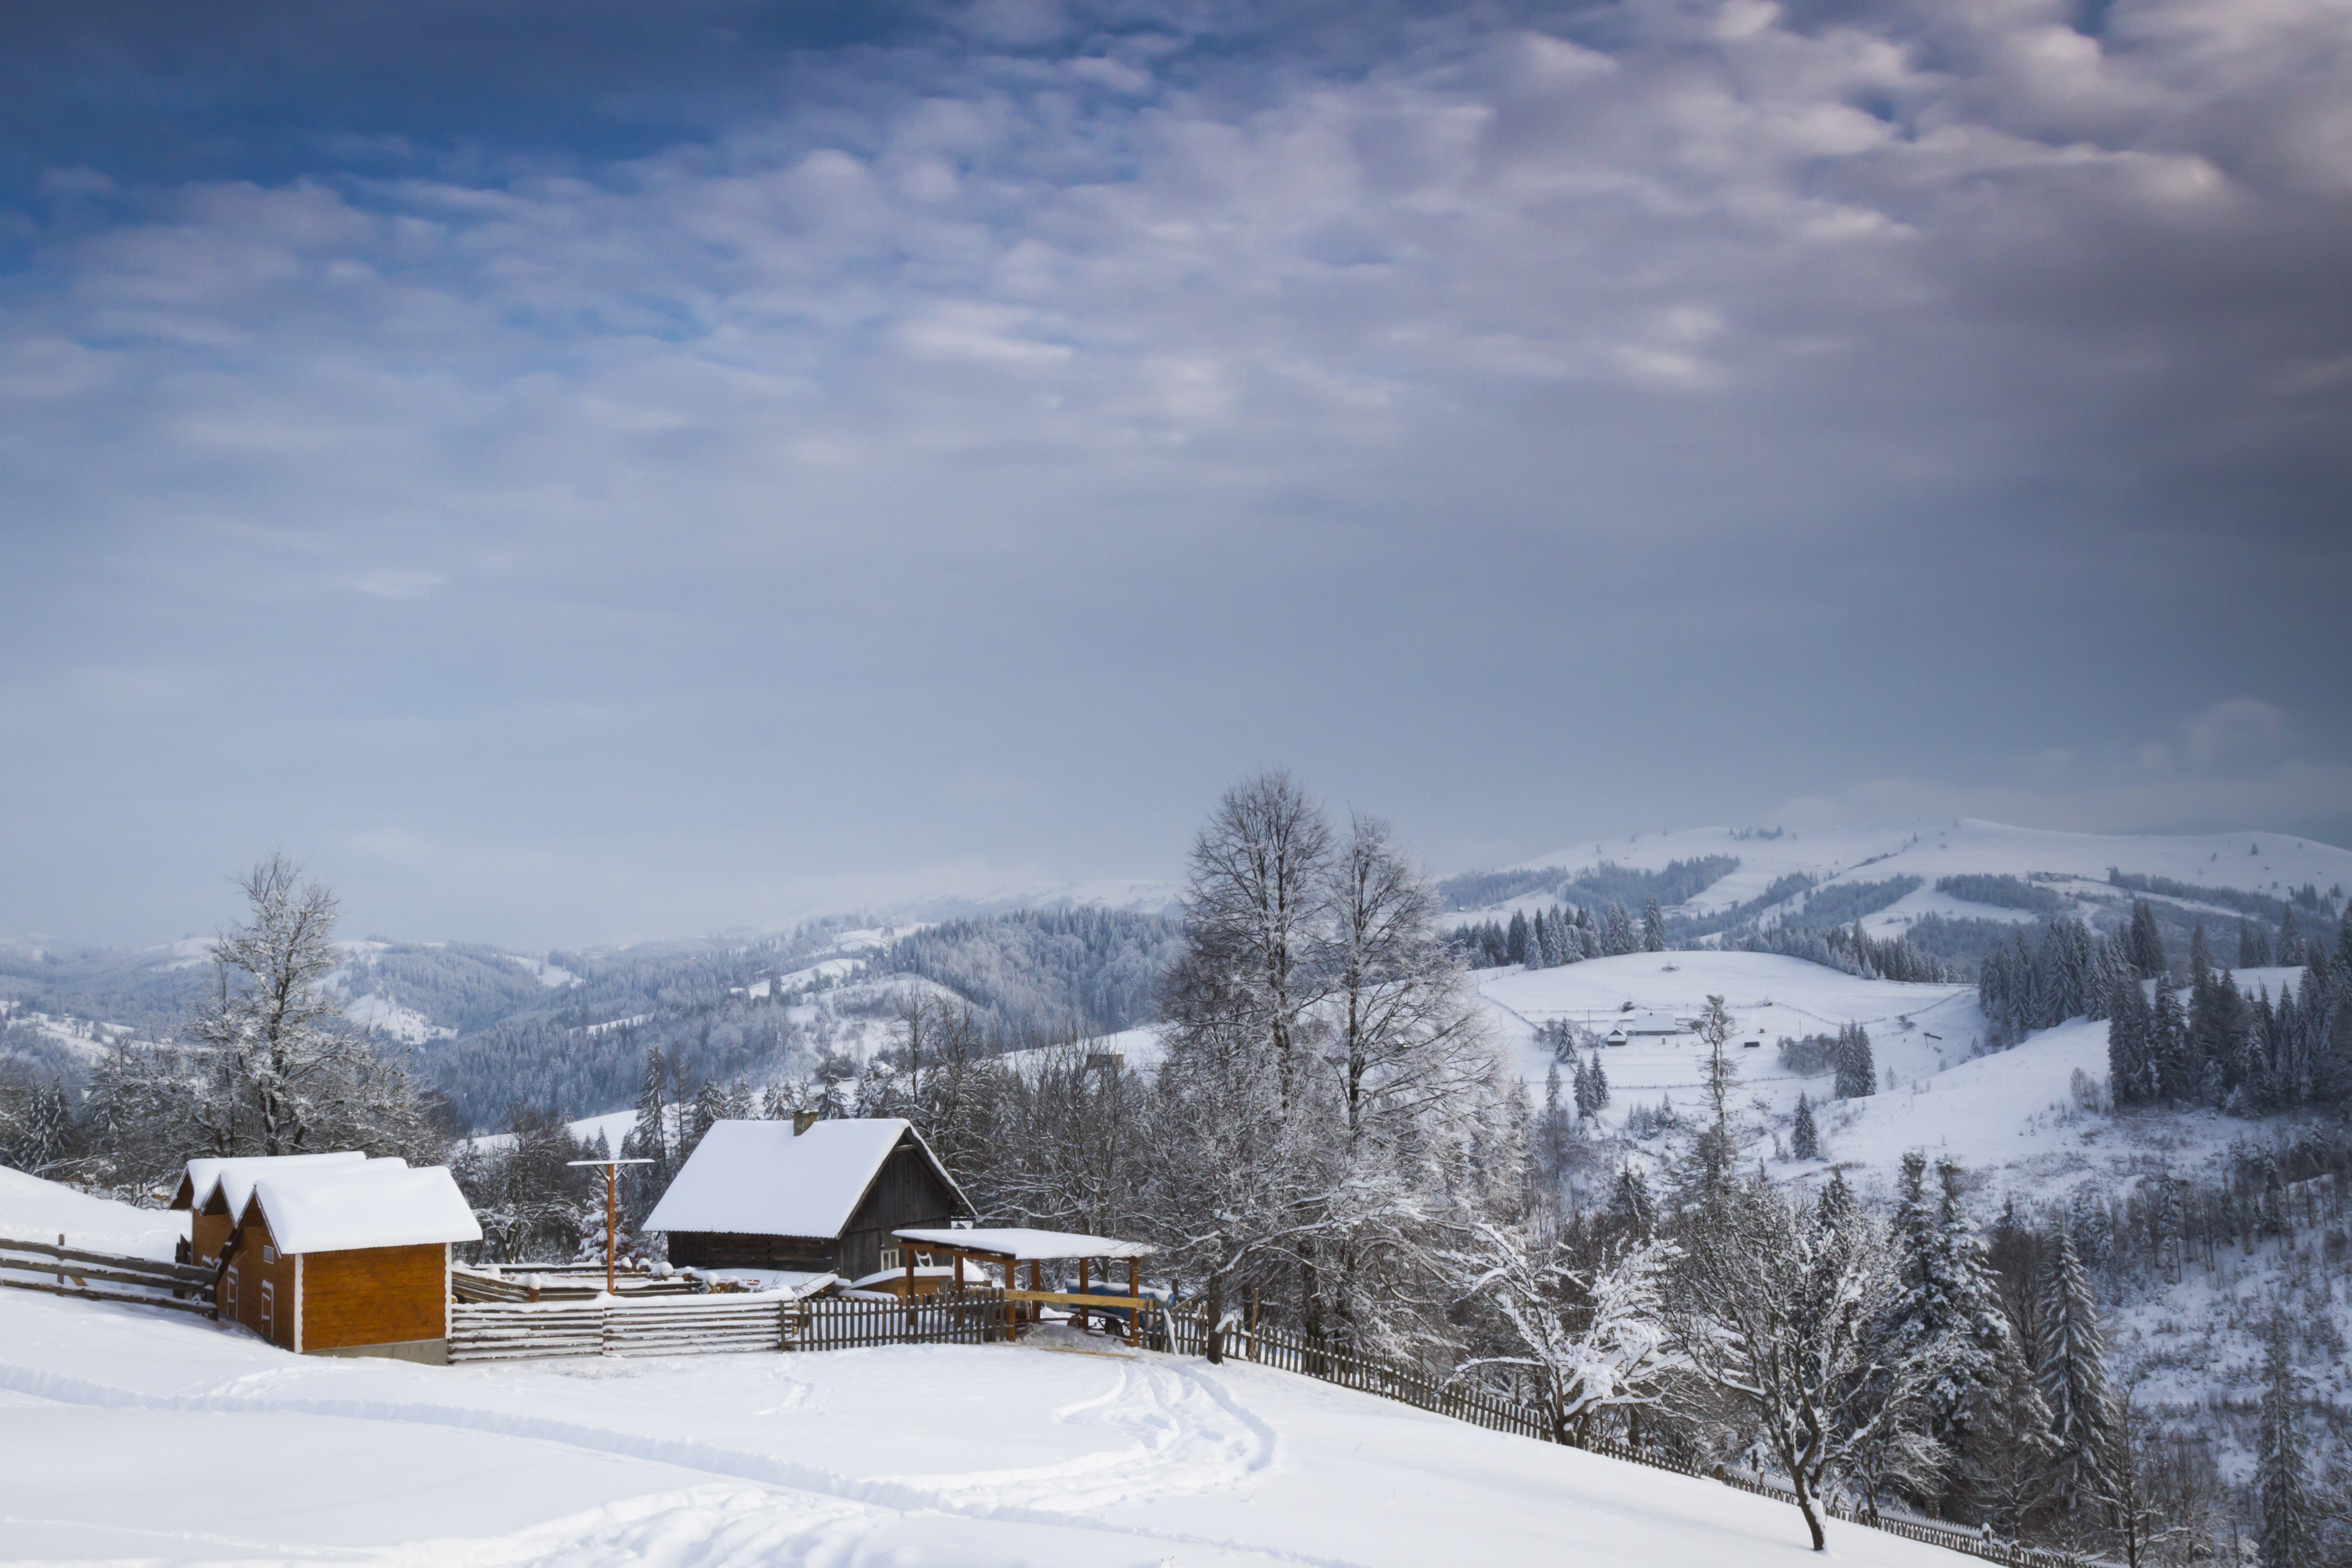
[(375, 1296)]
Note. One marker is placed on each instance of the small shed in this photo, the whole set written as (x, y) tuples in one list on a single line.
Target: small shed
[(815, 1197), (212, 1212), (348, 1259)]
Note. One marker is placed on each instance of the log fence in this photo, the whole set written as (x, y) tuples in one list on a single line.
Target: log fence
[(58, 1270)]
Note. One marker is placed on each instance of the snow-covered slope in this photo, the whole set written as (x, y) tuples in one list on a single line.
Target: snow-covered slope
[(134, 1435), (2270, 863), (34, 1210)]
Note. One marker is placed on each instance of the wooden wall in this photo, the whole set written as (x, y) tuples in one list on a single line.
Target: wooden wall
[(207, 1234), (252, 1268), (375, 1296), (718, 1250), (907, 1192)]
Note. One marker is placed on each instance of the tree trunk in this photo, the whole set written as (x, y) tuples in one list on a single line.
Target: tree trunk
[(1213, 1344)]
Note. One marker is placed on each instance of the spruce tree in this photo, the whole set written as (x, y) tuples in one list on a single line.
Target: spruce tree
[(2290, 942), (1858, 1073), (2281, 1476), (1514, 939), (2074, 1377), (2253, 949), (1653, 928), (2131, 1074), (2147, 942), (1631, 1207), (1804, 1138), (1599, 1084)]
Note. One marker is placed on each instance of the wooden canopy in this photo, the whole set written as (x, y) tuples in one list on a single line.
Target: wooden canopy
[(1009, 1247)]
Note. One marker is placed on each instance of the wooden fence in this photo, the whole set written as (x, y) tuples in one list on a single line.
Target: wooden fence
[(471, 1284), (693, 1325), (831, 1324), (62, 1270)]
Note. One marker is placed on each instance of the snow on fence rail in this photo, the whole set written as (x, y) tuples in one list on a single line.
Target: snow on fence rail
[(70, 1271), (697, 1325), (701, 1325)]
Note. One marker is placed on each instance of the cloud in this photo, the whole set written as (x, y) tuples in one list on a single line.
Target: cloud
[(1456, 403), (2227, 765)]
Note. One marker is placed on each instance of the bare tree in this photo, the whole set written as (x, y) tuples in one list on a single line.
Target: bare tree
[(1408, 1050), (1777, 1307)]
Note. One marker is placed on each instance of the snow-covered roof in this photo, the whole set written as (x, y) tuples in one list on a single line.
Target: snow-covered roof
[(380, 1204), (205, 1176), (756, 1178), (1022, 1246)]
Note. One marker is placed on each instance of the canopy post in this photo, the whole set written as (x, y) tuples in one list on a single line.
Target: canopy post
[(1135, 1288)]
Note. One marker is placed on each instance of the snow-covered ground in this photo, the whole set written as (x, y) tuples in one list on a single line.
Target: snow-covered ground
[(2010, 1116), (133, 1436), (34, 1210)]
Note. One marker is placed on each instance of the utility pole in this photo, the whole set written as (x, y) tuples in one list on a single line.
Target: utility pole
[(611, 1170)]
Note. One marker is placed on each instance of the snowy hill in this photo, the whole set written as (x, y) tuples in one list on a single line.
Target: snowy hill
[(151, 1437), (1889, 874)]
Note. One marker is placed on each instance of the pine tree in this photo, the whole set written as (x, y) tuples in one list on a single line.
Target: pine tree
[(2290, 942), (1653, 928), (2131, 1067), (2147, 942), (2170, 1048), (1631, 1207), (1546, 941), (1857, 1072), (651, 1138), (2074, 1377), (2280, 1473), (2253, 949), (1514, 939), (1600, 1081), (1804, 1139)]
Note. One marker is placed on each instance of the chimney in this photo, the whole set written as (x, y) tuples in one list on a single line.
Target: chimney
[(803, 1120)]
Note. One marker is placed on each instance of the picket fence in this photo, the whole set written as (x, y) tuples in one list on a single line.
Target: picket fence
[(61, 1270)]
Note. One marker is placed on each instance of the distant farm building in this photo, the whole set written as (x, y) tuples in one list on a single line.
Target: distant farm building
[(333, 1254), (806, 1196)]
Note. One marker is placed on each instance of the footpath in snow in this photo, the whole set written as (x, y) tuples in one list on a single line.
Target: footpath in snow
[(132, 1435)]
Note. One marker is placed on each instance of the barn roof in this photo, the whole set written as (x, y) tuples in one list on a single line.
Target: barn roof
[(205, 1176), (755, 1178), (380, 1204)]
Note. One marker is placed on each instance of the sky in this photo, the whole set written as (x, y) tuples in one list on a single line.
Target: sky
[(567, 469)]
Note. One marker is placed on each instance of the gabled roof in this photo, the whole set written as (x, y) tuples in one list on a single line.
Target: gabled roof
[(205, 1176), (755, 1178), (342, 1208)]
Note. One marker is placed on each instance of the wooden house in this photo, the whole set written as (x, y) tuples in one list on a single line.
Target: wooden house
[(806, 1196), (347, 1259), (214, 1191)]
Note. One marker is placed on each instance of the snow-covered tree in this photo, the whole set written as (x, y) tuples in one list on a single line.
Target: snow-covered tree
[(1594, 1339), (2073, 1378), (1653, 928), (2282, 1472), (1804, 1138), (1857, 1072), (1778, 1310)]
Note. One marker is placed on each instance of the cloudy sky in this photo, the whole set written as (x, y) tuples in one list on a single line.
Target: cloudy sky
[(570, 469)]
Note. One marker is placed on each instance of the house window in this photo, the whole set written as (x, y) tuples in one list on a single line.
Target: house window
[(890, 1258), (229, 1303), (269, 1310), (270, 1254)]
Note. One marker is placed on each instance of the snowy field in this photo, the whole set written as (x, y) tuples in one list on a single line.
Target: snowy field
[(137, 1436), (2009, 1116)]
